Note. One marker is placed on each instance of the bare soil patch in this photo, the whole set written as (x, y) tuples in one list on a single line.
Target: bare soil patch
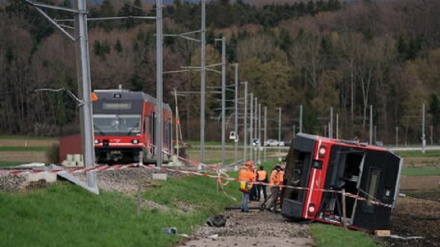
[(32, 156), (26, 143), (416, 219), (409, 183)]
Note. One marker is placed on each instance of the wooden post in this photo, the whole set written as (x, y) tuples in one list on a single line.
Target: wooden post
[(344, 210)]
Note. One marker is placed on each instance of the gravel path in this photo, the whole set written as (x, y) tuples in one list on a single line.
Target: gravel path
[(256, 228)]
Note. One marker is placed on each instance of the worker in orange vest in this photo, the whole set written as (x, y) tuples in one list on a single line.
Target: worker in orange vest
[(246, 177), (281, 178), (275, 182), (261, 177)]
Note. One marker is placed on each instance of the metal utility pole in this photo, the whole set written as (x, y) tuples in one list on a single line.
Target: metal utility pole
[(265, 130), (177, 122), (159, 83), (85, 89), (432, 134), (251, 123), (236, 114), (259, 134), (337, 126), (423, 129), (223, 97), (330, 131), (279, 128), (300, 118), (371, 125), (245, 121), (202, 82), (256, 129)]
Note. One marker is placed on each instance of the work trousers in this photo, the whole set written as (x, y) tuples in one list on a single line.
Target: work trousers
[(261, 188), (275, 190), (245, 202)]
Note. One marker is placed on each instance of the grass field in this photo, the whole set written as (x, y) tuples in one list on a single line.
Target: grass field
[(421, 171), (67, 215)]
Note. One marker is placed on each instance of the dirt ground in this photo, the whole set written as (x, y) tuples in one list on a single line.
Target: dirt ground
[(415, 222), (416, 219), (26, 143), (255, 228), (30, 156)]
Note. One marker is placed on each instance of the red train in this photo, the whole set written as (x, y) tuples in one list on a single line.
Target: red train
[(318, 169), (125, 124)]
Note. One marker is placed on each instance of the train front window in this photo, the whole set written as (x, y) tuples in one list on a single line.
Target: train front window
[(296, 175), (116, 124)]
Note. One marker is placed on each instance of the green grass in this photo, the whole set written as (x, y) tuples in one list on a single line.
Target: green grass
[(67, 215), (415, 154), (11, 163), (25, 149), (331, 236), (421, 171)]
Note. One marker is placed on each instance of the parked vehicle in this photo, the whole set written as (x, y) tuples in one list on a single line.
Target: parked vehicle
[(273, 143)]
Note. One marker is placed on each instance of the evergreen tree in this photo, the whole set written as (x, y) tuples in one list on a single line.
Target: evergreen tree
[(107, 10), (434, 110)]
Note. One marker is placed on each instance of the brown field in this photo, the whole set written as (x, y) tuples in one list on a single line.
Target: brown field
[(26, 143), (416, 219), (31, 156)]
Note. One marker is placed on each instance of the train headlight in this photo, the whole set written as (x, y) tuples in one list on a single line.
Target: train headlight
[(96, 141), (135, 141), (322, 151), (312, 208)]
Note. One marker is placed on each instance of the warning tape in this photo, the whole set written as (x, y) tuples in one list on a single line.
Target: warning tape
[(221, 176)]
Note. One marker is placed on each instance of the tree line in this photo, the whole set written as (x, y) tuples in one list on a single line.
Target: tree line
[(350, 57)]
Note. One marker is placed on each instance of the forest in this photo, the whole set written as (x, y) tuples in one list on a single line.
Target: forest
[(331, 57)]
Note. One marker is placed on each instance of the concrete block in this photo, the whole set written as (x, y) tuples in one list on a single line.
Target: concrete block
[(47, 176), (160, 176), (69, 157)]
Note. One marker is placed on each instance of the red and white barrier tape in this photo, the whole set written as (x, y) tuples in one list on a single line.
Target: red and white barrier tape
[(221, 177)]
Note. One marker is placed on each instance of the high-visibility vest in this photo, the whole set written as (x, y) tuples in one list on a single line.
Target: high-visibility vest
[(246, 175), (274, 178), (261, 175)]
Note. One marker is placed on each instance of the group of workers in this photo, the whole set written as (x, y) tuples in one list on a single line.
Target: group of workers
[(249, 174)]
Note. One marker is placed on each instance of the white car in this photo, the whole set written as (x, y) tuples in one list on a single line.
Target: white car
[(273, 143)]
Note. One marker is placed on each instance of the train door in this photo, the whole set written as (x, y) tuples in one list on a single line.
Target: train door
[(343, 173), (379, 180)]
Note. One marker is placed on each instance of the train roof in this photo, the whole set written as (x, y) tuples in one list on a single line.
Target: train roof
[(350, 143), (127, 94)]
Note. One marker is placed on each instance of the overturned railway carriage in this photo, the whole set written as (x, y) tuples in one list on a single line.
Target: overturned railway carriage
[(125, 125), (318, 169)]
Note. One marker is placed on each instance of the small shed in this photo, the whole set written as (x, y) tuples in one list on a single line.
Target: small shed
[(70, 151)]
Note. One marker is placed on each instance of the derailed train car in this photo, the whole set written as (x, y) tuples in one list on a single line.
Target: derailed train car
[(318, 169)]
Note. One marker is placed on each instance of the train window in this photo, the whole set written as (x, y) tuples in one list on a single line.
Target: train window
[(167, 136), (153, 127), (373, 183), (116, 124), (296, 176)]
